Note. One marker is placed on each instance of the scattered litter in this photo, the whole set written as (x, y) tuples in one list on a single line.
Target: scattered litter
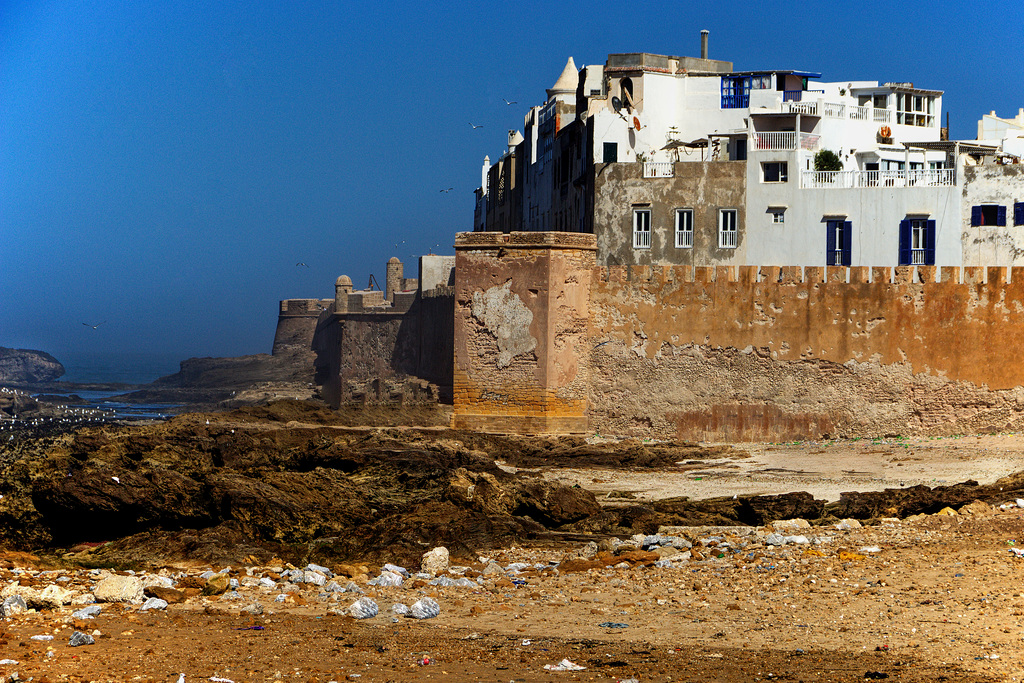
[(42, 638), (526, 642), (424, 608), (363, 608), (7, 662), (215, 679), (875, 675), (613, 624), (250, 628), (564, 665), (424, 661), (79, 638), (870, 549)]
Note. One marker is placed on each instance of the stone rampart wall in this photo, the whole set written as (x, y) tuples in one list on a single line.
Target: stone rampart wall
[(768, 353)]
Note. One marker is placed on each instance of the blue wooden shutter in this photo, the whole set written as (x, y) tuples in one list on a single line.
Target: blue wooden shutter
[(905, 242), (847, 240), (975, 216), (830, 243), (929, 244), (1000, 215), (1018, 213)]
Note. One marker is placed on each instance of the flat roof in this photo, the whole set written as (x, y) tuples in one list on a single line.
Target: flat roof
[(787, 72)]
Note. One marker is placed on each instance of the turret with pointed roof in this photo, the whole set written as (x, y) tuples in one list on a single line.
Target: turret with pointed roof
[(567, 82)]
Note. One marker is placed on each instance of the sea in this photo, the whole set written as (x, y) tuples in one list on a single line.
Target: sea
[(110, 368)]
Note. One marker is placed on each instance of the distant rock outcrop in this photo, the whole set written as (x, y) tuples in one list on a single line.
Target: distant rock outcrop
[(25, 366)]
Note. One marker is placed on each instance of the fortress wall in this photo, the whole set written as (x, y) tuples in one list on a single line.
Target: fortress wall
[(296, 324), (520, 321), (768, 353)]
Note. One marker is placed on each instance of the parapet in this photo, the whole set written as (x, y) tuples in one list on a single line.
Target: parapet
[(303, 308), (794, 275), (525, 240)]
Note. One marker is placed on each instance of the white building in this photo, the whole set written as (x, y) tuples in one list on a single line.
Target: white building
[(678, 160)]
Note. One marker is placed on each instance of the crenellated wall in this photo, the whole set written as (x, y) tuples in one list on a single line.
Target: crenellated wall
[(774, 353), (546, 341)]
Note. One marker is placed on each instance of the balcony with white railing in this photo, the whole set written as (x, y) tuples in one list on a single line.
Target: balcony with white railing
[(942, 177), (641, 239), (784, 141), (859, 113), (882, 115), (658, 169)]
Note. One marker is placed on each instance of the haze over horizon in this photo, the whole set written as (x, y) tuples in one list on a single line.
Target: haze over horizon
[(164, 169)]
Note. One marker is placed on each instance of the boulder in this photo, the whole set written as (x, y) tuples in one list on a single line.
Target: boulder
[(117, 588), (435, 561)]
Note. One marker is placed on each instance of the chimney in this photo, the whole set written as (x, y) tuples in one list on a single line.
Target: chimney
[(704, 43)]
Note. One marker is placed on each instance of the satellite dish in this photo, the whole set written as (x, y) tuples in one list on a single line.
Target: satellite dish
[(616, 103), (636, 123)]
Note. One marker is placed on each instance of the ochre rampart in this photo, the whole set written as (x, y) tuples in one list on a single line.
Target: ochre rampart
[(768, 353), (521, 316)]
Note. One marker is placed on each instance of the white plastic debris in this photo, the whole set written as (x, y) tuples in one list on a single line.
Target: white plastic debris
[(153, 603), (363, 608), (387, 578), (41, 637), (424, 608), (564, 665)]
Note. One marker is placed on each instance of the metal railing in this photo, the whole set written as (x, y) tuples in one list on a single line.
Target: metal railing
[(798, 95), (641, 239), (835, 110), (859, 113), (684, 239), (942, 177), (917, 257), (809, 108), (882, 115), (726, 238), (776, 141), (658, 169)]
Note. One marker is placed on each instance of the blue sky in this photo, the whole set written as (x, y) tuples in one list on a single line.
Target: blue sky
[(163, 168)]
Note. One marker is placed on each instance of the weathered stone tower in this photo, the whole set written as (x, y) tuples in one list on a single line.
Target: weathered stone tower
[(521, 350)]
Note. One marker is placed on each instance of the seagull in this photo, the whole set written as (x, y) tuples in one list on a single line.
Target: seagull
[(398, 244), (300, 263), (509, 103), (448, 190), (94, 326), (475, 126)]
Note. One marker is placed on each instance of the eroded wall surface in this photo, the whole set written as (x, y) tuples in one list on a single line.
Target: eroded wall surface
[(780, 353), (521, 321)]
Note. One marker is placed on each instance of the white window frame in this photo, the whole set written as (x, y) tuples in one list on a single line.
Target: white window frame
[(684, 228), (918, 239), (783, 171), (728, 228), (778, 216), (641, 228)]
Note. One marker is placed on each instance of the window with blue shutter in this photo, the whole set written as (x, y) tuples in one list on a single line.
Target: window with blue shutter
[(1018, 213), (929, 244), (838, 238), (905, 242), (988, 214)]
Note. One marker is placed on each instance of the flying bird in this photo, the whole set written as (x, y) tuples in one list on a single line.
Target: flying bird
[(509, 103), (94, 326), (475, 126), (300, 263), (448, 190)]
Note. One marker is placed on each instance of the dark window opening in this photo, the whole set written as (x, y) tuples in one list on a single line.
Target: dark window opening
[(988, 214), (1018, 213), (611, 152), (775, 171), (627, 92)]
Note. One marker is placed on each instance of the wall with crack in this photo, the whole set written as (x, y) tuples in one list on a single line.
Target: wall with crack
[(783, 353)]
